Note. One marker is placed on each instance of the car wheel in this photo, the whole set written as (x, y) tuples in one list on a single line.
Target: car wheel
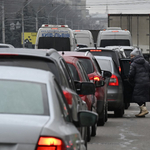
[(101, 120), (88, 134), (85, 140), (94, 128), (119, 112), (106, 114)]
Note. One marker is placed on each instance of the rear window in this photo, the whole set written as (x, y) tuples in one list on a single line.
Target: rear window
[(87, 63), (112, 54), (58, 43), (114, 42), (30, 62), (21, 97), (104, 64), (127, 52), (74, 72)]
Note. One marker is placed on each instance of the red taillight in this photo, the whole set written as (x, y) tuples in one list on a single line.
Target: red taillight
[(95, 78), (68, 97), (95, 50), (50, 143), (119, 69), (113, 80), (115, 31), (54, 28)]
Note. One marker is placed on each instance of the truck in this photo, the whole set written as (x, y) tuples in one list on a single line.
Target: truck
[(137, 24)]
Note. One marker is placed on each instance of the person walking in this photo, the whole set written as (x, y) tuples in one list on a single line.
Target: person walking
[(140, 75)]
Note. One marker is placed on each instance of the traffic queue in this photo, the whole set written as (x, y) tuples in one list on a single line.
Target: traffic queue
[(56, 95)]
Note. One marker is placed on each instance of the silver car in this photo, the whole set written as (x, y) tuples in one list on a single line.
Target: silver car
[(115, 86), (34, 114)]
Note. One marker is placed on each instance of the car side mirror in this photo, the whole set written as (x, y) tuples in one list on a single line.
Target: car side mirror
[(85, 88), (99, 83), (107, 74), (87, 118)]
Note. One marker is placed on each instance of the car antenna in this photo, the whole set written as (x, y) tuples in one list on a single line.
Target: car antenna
[(63, 53)]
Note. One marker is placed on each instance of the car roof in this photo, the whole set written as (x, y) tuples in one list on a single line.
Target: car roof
[(41, 52), (104, 57), (75, 54), (123, 47), (25, 74), (9, 45), (70, 59)]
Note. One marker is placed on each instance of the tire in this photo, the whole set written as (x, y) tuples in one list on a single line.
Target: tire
[(94, 128), (88, 134), (101, 120), (119, 112), (106, 114)]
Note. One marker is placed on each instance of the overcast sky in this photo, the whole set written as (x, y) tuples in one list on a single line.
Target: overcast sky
[(119, 6)]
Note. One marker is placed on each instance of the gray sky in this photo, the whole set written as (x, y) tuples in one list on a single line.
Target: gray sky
[(119, 6)]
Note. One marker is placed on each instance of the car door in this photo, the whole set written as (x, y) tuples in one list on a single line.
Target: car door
[(127, 86), (72, 135)]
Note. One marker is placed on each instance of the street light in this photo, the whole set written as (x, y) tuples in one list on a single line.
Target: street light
[(23, 22)]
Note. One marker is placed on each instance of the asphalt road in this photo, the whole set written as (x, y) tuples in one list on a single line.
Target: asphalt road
[(127, 133)]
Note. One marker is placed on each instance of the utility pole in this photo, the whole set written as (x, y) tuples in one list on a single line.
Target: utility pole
[(3, 22)]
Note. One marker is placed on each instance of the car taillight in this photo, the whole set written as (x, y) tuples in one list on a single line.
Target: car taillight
[(113, 80), (68, 97), (119, 69), (95, 78), (50, 143)]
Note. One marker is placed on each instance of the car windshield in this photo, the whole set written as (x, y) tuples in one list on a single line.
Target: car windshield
[(22, 97), (104, 64), (74, 72), (87, 63), (120, 42), (58, 43)]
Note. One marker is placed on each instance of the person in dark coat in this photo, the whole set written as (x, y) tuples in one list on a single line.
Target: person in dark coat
[(140, 74)]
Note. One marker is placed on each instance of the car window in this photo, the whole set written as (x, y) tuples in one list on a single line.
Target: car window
[(105, 64), (63, 104), (22, 97), (30, 62), (59, 43), (74, 72), (87, 63), (83, 72), (114, 42), (68, 74), (97, 65)]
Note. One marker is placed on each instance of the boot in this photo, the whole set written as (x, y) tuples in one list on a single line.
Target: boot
[(143, 112), (137, 115)]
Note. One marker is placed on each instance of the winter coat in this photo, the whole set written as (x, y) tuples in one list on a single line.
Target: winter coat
[(140, 74)]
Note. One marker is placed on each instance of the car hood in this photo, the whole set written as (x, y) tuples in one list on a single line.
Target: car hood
[(21, 128)]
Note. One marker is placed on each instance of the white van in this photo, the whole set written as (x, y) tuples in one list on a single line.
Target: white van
[(59, 37), (84, 37), (114, 36)]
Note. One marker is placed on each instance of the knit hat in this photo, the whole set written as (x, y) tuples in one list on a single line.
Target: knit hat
[(136, 52)]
